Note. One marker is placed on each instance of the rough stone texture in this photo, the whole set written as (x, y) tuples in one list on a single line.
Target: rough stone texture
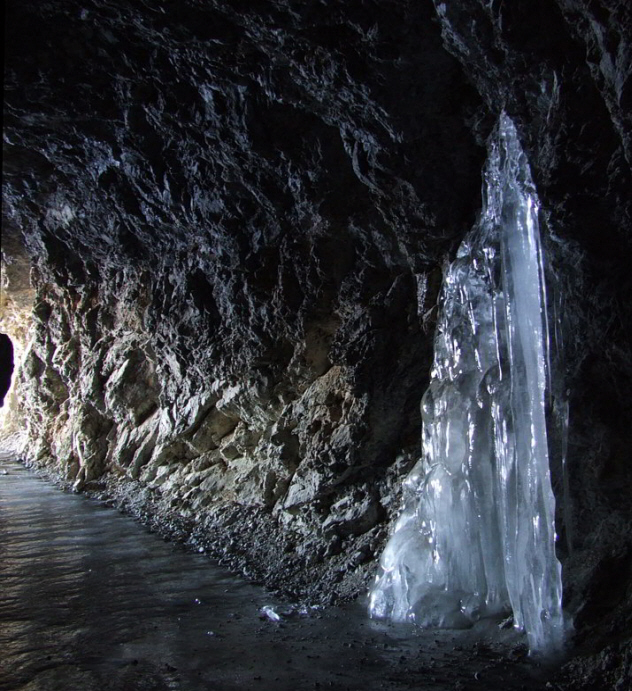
[(237, 214)]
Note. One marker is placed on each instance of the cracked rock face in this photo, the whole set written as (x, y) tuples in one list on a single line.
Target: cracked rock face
[(236, 216)]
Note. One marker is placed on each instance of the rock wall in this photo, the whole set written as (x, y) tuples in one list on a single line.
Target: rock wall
[(237, 216)]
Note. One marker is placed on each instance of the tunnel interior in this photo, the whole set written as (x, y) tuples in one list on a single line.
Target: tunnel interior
[(225, 229)]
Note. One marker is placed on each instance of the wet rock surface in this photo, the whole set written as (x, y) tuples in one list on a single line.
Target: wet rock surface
[(234, 218)]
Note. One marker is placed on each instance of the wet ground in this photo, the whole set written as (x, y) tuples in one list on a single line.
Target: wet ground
[(90, 600)]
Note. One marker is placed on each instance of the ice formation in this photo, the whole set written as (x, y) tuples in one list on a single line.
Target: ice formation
[(476, 535)]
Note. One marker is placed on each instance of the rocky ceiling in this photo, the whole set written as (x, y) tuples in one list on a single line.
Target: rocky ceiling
[(235, 216)]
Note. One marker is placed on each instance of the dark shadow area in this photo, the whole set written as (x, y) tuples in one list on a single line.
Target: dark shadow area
[(6, 365)]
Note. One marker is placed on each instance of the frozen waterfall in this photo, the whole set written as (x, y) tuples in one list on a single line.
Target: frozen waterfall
[(476, 535)]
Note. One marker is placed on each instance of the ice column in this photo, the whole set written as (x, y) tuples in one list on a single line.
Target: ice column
[(476, 535)]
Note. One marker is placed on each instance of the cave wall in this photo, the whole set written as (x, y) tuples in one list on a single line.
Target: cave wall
[(237, 216)]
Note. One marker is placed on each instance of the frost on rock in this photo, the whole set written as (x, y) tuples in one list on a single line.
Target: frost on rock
[(476, 535)]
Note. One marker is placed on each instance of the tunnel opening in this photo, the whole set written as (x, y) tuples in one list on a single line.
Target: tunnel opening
[(6, 366)]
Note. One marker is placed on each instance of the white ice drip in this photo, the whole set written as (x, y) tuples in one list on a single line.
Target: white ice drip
[(476, 535)]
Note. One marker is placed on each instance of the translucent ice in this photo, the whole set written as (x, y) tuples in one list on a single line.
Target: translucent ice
[(476, 535), (270, 613)]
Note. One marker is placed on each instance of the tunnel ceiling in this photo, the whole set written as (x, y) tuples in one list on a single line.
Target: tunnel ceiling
[(235, 217)]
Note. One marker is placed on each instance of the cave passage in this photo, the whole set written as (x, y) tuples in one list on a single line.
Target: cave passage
[(91, 600), (6, 366)]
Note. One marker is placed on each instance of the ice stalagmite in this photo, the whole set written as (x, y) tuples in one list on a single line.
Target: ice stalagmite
[(476, 535)]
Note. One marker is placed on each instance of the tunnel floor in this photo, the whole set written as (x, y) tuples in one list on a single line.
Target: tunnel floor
[(90, 600)]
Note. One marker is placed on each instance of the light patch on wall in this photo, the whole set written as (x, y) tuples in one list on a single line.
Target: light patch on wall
[(16, 304), (61, 215)]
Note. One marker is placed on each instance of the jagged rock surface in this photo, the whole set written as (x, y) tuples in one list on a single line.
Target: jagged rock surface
[(237, 218)]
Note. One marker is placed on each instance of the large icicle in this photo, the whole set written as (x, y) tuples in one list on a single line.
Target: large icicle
[(476, 534)]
